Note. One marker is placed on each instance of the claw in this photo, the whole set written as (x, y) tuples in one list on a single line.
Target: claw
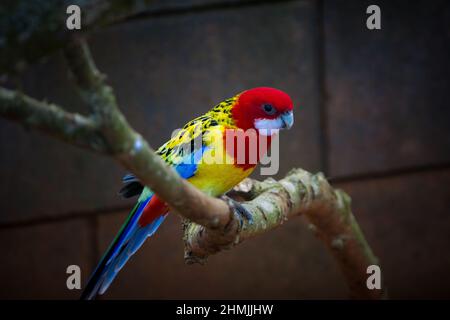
[(239, 210)]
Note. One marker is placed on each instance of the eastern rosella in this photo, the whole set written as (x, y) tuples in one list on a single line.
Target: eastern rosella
[(265, 110)]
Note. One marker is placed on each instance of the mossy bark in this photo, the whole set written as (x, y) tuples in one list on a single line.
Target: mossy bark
[(274, 202)]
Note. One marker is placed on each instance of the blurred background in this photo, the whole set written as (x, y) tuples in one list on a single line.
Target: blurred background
[(372, 113)]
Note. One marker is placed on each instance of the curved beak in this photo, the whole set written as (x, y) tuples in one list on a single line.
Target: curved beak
[(288, 119)]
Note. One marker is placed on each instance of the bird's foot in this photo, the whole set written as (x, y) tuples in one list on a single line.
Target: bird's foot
[(240, 211)]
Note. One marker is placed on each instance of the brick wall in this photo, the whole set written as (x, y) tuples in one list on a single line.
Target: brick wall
[(372, 114)]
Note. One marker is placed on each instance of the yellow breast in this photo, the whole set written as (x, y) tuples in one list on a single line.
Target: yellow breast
[(216, 173)]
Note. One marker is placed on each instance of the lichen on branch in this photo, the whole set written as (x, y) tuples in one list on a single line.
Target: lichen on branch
[(272, 203)]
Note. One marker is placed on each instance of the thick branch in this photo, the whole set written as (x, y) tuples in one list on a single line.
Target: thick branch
[(300, 192), (51, 119)]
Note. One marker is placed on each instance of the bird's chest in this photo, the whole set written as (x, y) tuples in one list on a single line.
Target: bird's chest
[(217, 179), (218, 171)]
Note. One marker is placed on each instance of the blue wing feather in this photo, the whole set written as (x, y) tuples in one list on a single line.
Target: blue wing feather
[(189, 163)]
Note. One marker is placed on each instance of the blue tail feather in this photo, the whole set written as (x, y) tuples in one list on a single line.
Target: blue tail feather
[(136, 241), (127, 242)]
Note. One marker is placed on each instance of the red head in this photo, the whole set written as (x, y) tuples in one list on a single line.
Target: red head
[(263, 108)]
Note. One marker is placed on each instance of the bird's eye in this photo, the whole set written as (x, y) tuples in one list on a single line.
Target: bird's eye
[(268, 108)]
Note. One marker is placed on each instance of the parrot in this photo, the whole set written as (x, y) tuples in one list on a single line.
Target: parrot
[(263, 109)]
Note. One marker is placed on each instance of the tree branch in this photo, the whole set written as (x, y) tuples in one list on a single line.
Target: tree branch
[(212, 224), (51, 119), (272, 203)]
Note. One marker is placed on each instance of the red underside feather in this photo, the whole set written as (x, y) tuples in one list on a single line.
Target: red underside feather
[(152, 210)]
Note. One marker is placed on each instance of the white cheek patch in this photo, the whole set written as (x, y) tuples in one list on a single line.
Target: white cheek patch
[(268, 127)]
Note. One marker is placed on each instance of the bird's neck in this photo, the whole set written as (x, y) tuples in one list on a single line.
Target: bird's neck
[(222, 112)]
